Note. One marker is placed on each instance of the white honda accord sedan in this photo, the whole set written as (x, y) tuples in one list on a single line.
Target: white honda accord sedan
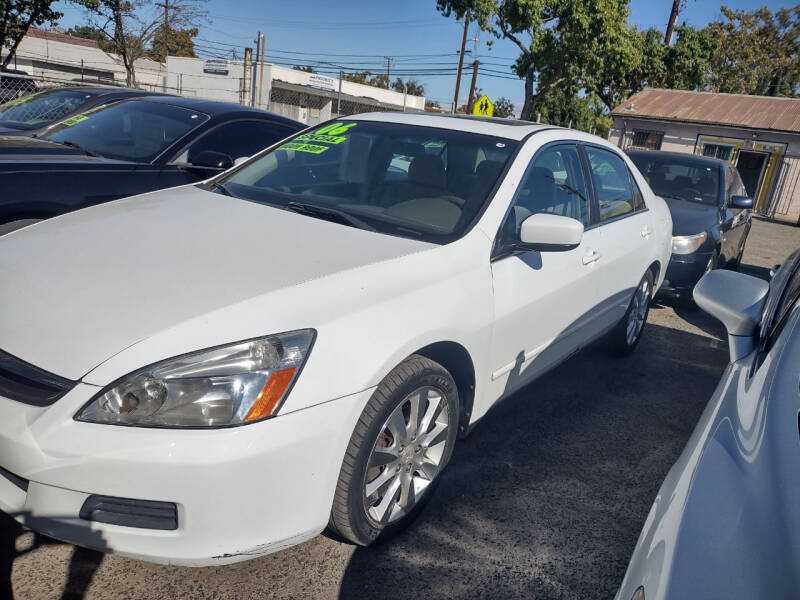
[(209, 373)]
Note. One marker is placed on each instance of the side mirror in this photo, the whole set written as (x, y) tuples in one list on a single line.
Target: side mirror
[(543, 231), (742, 202), (209, 159), (738, 301)]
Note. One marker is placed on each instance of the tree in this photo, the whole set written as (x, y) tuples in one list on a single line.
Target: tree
[(561, 41), (367, 78), (17, 17), (131, 25), (684, 65), (759, 52), (92, 33), (305, 69), (503, 107), (566, 108), (412, 87), (432, 104), (180, 42)]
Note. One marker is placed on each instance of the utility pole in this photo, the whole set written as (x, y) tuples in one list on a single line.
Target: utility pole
[(247, 79), (673, 17), (261, 75), (339, 98), (165, 33), (460, 61), (255, 70), (388, 62), (472, 87)]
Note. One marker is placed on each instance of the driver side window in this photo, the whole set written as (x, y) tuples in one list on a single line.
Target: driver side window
[(553, 184)]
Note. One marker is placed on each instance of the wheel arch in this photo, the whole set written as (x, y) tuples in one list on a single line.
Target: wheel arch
[(655, 269), (457, 360)]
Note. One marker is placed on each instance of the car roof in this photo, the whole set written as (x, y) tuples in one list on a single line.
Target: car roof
[(505, 128), (214, 108), (700, 160)]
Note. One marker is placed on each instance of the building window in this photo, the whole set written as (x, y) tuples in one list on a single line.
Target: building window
[(718, 151), (649, 140)]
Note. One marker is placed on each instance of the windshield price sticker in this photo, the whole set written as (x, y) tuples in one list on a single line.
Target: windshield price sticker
[(73, 120), (330, 134), (326, 139), (301, 147)]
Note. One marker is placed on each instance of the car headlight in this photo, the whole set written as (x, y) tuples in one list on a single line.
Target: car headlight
[(686, 244), (638, 594), (228, 385)]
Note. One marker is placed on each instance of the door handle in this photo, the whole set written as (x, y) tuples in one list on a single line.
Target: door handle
[(646, 231), (591, 256)]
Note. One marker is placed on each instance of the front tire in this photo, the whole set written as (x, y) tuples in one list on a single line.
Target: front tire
[(400, 446), (626, 335)]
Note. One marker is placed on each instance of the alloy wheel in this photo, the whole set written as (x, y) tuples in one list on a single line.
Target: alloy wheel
[(407, 456), (638, 312)]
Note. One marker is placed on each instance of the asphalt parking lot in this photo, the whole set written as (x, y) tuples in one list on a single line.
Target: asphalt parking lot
[(544, 500)]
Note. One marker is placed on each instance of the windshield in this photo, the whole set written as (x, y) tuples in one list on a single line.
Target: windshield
[(38, 110), (682, 178), (404, 180), (134, 130)]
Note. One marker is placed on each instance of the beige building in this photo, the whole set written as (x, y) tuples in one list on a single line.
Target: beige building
[(760, 135)]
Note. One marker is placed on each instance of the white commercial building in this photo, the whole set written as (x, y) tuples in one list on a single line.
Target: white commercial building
[(307, 97)]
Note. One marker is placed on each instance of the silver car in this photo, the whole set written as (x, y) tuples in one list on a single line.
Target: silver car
[(726, 521)]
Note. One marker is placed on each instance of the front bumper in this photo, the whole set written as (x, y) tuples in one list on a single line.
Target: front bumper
[(683, 273), (240, 492)]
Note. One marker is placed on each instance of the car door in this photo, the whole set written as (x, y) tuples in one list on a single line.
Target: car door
[(238, 139), (543, 299), (626, 232)]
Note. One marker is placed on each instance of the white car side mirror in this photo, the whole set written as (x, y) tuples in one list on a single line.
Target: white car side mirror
[(545, 231), (738, 301)]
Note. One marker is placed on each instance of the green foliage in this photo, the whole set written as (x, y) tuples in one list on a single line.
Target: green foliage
[(567, 109), (562, 42), (93, 33), (432, 104), (759, 52), (412, 87), (367, 78), (503, 107), (180, 42), (17, 16)]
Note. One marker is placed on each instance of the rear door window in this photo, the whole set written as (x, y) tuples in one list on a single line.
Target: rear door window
[(611, 182)]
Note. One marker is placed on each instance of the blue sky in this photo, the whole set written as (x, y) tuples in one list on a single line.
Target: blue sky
[(421, 42)]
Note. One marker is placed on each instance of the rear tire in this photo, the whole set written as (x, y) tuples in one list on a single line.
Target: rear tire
[(396, 452), (626, 335)]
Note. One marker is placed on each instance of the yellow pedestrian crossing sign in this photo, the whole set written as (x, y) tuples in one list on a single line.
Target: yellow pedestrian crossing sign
[(483, 107)]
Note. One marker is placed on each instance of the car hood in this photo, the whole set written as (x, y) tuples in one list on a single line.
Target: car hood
[(80, 288), (689, 218)]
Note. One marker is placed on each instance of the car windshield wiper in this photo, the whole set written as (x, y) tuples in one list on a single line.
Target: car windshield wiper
[(79, 147), (329, 213)]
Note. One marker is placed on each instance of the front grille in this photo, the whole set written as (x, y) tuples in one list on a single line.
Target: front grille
[(25, 383), (145, 514), (15, 479)]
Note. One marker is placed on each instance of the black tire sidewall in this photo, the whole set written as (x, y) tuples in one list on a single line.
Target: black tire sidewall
[(620, 334), (438, 378)]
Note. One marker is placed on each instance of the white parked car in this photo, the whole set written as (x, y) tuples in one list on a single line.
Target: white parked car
[(209, 373)]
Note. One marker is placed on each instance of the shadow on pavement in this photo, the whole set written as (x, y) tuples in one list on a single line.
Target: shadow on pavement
[(82, 566), (547, 497)]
